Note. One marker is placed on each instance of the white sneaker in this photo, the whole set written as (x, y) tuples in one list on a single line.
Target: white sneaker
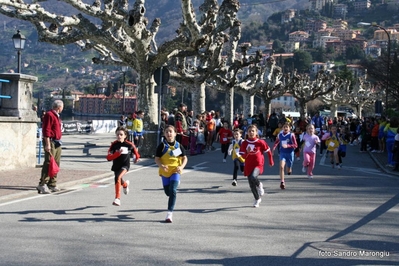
[(224, 160), (257, 202), (234, 182), (43, 189), (260, 189), (310, 176), (126, 189), (168, 218), (117, 202), (303, 169)]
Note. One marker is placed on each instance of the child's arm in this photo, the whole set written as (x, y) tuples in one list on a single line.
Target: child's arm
[(276, 143), (136, 154), (325, 136), (294, 144), (112, 156), (159, 163), (269, 153)]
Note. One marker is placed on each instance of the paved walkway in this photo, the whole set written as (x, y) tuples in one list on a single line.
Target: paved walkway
[(83, 160)]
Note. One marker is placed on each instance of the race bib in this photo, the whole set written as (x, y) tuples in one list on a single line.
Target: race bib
[(176, 152)]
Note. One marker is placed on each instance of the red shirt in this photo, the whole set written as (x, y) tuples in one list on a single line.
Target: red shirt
[(51, 126), (254, 158), (224, 135)]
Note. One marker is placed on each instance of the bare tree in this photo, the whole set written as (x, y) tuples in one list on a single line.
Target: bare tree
[(121, 36), (304, 89)]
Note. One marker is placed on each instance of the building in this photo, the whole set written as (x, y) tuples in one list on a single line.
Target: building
[(102, 105), (361, 5), (340, 11), (298, 36), (283, 103), (317, 66), (287, 16), (314, 25)]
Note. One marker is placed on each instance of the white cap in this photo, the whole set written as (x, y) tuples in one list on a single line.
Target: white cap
[(397, 137)]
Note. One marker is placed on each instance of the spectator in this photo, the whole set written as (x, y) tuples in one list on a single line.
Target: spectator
[(51, 130)]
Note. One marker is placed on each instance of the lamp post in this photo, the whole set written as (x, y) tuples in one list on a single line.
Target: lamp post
[(19, 45), (389, 58), (124, 69)]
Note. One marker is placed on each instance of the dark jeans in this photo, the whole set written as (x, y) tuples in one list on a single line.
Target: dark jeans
[(171, 191), (254, 182)]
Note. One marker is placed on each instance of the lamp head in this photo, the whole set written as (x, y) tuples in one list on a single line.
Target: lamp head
[(19, 41)]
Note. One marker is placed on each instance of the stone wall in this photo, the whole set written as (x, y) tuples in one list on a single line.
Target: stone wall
[(18, 123)]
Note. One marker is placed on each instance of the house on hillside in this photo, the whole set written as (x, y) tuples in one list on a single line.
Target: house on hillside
[(287, 15)]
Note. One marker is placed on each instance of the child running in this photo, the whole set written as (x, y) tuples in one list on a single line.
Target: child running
[(287, 143), (171, 159), (332, 143), (119, 153), (234, 150), (310, 141), (225, 135), (252, 150)]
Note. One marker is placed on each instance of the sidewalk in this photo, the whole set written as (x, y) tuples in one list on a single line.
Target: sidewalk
[(83, 160)]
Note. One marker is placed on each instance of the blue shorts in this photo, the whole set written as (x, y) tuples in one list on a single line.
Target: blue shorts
[(287, 157), (173, 177)]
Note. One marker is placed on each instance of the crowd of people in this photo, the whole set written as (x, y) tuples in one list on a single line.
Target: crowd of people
[(246, 141)]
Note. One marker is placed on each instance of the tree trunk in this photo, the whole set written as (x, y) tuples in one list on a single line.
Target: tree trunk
[(229, 103), (198, 98), (333, 110), (248, 104), (148, 102)]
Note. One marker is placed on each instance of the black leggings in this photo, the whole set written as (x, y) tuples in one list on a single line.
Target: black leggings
[(254, 182), (237, 165)]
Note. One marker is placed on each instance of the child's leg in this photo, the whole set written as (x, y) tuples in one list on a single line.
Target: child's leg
[(289, 160), (170, 188), (119, 181), (236, 166), (306, 159), (336, 159), (254, 182), (312, 162), (172, 194), (282, 166)]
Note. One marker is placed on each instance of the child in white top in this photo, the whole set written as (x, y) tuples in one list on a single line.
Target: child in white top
[(310, 140)]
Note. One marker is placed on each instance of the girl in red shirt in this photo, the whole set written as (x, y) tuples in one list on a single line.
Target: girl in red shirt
[(252, 150), (225, 135)]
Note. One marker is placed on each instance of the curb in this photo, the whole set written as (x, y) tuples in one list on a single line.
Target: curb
[(383, 168)]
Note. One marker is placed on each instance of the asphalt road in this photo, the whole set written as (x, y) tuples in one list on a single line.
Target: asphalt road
[(341, 217)]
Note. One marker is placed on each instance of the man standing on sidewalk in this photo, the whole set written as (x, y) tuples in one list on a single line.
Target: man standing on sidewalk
[(51, 129)]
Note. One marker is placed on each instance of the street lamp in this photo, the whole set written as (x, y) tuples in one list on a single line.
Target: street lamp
[(19, 45), (124, 69), (389, 58)]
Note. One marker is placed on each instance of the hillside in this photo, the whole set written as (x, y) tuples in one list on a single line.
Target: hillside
[(50, 63)]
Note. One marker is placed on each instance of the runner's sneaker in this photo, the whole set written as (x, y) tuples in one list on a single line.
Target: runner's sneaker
[(256, 202), (117, 202), (260, 189), (303, 169), (43, 189), (224, 160), (126, 189), (310, 176), (53, 189), (234, 182), (282, 185), (168, 218)]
